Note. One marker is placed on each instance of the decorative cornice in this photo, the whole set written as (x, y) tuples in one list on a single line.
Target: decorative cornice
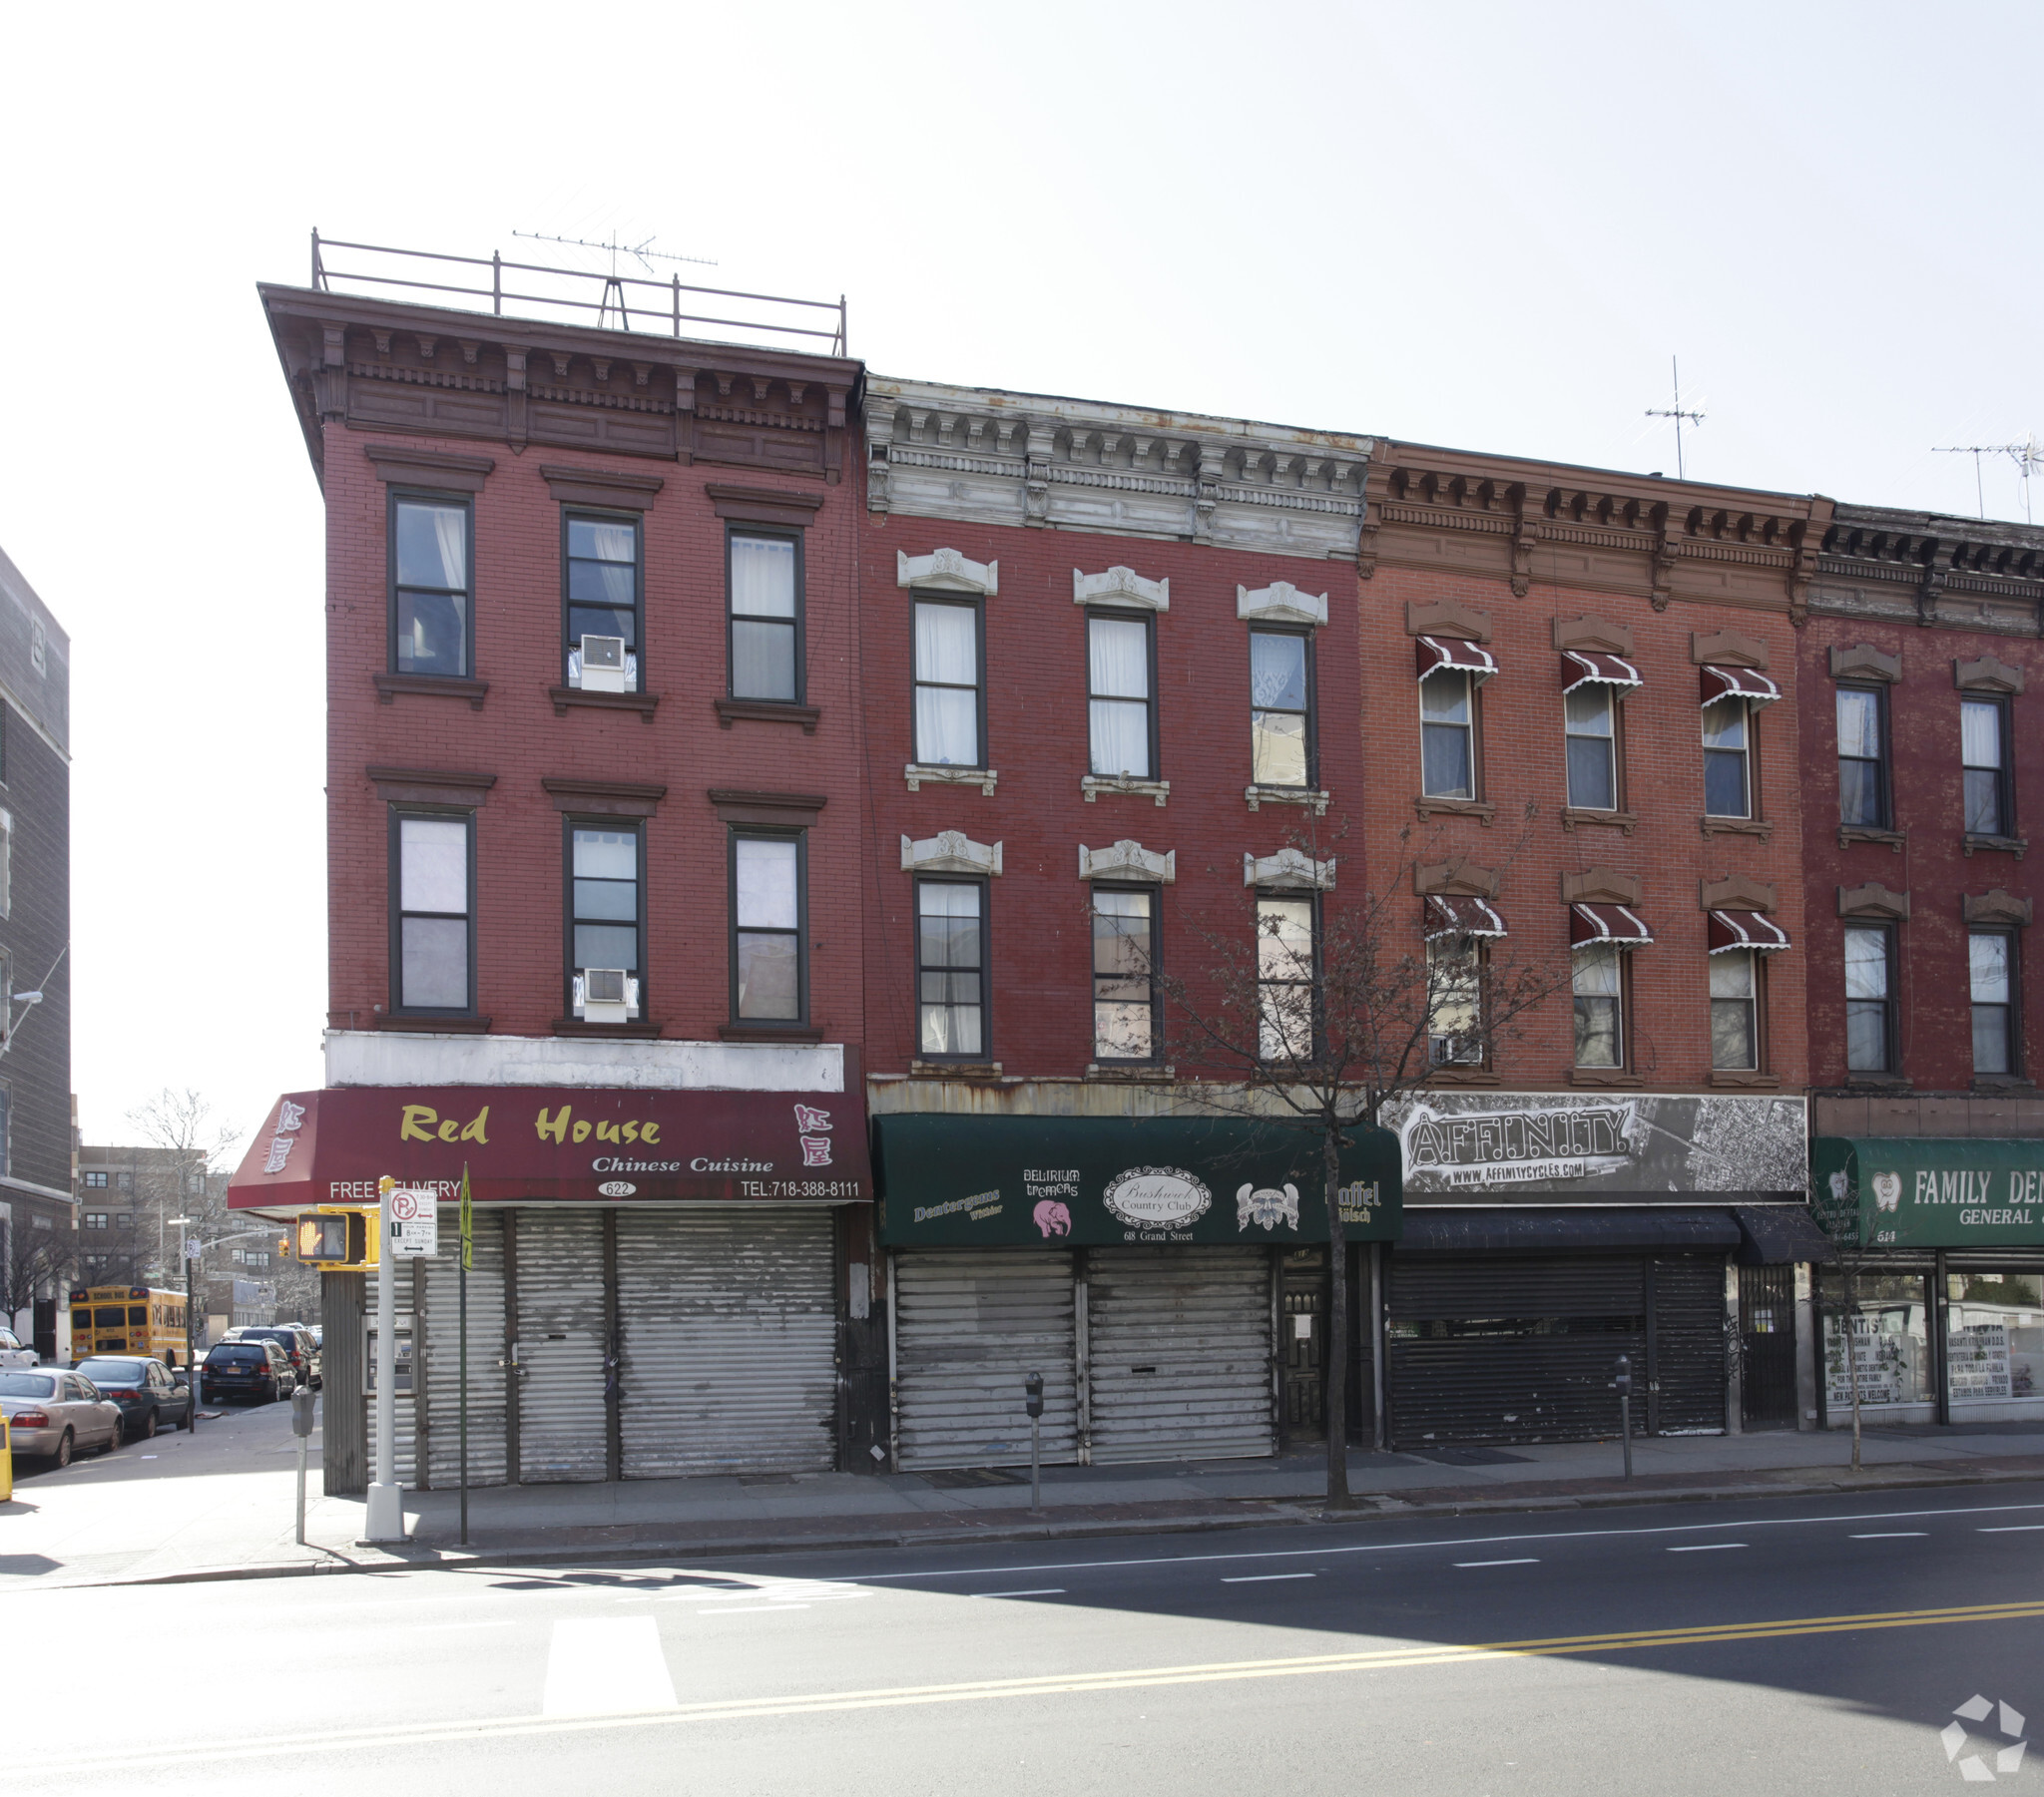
[(429, 467), (1862, 662), (1873, 900), (1120, 586), (948, 570), (603, 798), (617, 488), (1592, 630), (1600, 886), (1447, 618), (1735, 892), (1280, 603), (921, 773), (1127, 860), (949, 851), (1455, 875), (1728, 649), (430, 786), (1289, 867), (1986, 675), (1995, 906)]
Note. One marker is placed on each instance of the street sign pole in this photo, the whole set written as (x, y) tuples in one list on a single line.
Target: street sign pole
[(385, 1520), (467, 1254), (190, 1326), (301, 1426)]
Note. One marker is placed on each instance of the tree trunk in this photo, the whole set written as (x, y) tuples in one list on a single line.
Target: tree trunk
[(1336, 1383)]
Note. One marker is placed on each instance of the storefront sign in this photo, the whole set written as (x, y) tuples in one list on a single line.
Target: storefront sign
[(1011, 1181), (1930, 1191), (1527, 1147), (536, 1143)]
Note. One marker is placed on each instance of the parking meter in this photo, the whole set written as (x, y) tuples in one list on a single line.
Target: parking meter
[(1624, 1381), (1032, 1402), (301, 1412), (1032, 1388), (1622, 1385)]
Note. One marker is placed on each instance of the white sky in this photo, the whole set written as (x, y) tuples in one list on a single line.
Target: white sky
[(1485, 224)]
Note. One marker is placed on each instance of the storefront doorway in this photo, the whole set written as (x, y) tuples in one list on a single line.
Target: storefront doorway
[(1302, 1323), (1766, 1347)]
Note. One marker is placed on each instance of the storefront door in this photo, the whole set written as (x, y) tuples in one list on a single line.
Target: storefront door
[(1767, 1339), (563, 1430), (1303, 1327)]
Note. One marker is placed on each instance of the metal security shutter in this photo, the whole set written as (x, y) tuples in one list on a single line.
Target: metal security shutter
[(1689, 1344), (968, 1328), (1178, 1352), (1510, 1350), (561, 1423), (442, 1350), (729, 1328), (405, 1436)]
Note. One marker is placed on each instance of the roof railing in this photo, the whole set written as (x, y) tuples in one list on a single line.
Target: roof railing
[(619, 303)]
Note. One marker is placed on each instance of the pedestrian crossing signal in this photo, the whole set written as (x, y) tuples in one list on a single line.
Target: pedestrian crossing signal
[(333, 1239)]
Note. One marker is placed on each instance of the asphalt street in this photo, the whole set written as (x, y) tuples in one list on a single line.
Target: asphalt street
[(1810, 1645)]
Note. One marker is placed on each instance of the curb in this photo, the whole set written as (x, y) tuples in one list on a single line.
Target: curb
[(1295, 1512)]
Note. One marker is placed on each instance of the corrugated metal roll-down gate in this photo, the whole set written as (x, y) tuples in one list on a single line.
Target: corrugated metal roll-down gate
[(1178, 1353), (563, 1424), (439, 1278), (1524, 1348)]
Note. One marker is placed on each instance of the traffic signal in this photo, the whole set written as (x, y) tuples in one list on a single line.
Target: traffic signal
[(334, 1238)]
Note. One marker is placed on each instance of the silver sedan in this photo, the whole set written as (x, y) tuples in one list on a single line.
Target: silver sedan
[(51, 1413)]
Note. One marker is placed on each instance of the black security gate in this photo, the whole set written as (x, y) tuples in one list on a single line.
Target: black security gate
[(1766, 1347)]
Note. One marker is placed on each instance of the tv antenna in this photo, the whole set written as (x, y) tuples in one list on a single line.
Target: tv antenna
[(1677, 413), (613, 284), (2026, 456)]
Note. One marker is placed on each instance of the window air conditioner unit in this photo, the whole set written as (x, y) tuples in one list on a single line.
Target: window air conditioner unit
[(605, 995), (602, 663)]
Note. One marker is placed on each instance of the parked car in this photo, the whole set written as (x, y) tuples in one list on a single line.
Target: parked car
[(51, 1413), (13, 1354), (246, 1369), (148, 1395), (296, 1340)]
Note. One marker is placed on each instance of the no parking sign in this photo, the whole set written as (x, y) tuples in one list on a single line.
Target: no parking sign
[(415, 1224)]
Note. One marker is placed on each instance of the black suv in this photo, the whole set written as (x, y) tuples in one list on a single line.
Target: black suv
[(247, 1369), (296, 1341)]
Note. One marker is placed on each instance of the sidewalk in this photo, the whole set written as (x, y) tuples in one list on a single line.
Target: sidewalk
[(229, 1513)]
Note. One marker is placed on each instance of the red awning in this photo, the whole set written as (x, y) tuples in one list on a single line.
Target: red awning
[(1618, 925), (1744, 930), (1436, 652), (1592, 667), (1459, 914), (1736, 683), (526, 1143)]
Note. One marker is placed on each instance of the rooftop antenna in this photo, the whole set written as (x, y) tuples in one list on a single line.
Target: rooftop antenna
[(614, 286), (1677, 413), (2026, 456)]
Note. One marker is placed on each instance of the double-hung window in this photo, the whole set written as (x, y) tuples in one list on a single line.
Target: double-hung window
[(951, 969), (1591, 723), (1125, 1020), (1597, 986), (1984, 732), (1120, 718), (606, 920), (1448, 747), (1287, 956), (1863, 759), (1727, 780), (948, 710), (1869, 999), (431, 625), (765, 585), (769, 969), (433, 912), (1281, 709), (1454, 1025), (601, 591), (1734, 1011), (1990, 958)]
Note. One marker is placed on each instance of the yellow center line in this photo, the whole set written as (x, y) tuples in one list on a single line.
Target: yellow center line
[(1061, 1685)]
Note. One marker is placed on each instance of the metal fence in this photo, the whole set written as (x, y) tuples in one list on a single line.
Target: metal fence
[(617, 301)]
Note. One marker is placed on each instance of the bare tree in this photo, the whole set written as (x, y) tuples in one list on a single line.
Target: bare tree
[(1319, 1005), (182, 1173), (1835, 1203), (37, 1261)]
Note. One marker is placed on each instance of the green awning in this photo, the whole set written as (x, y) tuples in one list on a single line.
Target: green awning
[(1924, 1191), (1011, 1181)]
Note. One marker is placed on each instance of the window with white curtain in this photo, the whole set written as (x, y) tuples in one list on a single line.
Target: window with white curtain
[(1870, 1001), (1735, 1010), (429, 599), (767, 921), (1727, 788), (1124, 973), (1990, 958), (1118, 692), (1863, 761), (1983, 734), (951, 969), (765, 617), (602, 574), (1597, 988), (434, 922), (1447, 755), (1281, 709), (947, 707)]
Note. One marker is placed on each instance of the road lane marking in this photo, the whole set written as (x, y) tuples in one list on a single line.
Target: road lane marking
[(1707, 1548), (425, 1734), (2011, 1529), (598, 1664), (1497, 1563), (1042, 1591), (1263, 1578), (1895, 1535), (754, 1610)]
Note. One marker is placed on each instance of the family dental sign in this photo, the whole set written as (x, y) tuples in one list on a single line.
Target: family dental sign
[(1930, 1191)]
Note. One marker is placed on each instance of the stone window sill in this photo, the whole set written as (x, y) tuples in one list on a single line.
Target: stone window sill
[(2017, 846), (435, 1026), (767, 710), (1114, 1072), (1258, 796), (767, 1033), (954, 1069), (1093, 785), (2003, 1082), (430, 686), (1461, 1076), (1603, 1076), (1851, 834), (916, 773), (1736, 826), (1732, 1076), (577, 1026), (642, 702), (1456, 807), (1572, 815), (1878, 1083)]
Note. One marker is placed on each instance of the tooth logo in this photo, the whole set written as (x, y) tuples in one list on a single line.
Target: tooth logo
[(1973, 1768)]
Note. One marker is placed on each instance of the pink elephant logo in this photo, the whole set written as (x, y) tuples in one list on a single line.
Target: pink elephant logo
[(1053, 1218)]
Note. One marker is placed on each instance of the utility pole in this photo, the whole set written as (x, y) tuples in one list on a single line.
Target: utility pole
[(1678, 414)]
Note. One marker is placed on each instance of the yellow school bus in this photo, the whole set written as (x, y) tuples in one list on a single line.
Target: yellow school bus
[(127, 1319)]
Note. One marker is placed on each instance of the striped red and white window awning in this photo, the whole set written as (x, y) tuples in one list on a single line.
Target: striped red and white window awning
[(1435, 653), (1744, 930), (1619, 926), (1461, 914), (1594, 668), (1748, 684)]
